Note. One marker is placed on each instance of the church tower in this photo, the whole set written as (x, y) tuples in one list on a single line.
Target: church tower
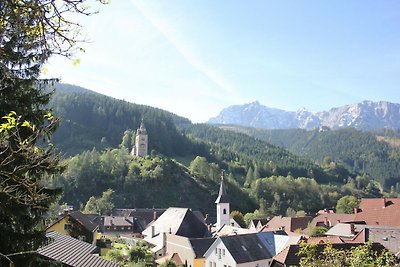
[(141, 142), (222, 202)]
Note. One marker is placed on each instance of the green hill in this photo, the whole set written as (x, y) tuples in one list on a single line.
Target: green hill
[(374, 153), (185, 163), (91, 120)]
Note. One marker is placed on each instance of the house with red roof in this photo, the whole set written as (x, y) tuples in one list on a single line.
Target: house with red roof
[(379, 211)]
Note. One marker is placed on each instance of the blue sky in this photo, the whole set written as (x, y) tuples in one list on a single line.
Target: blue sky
[(195, 58)]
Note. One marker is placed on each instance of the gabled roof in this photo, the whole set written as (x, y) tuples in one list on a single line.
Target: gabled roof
[(201, 245), (83, 220), (332, 219), (72, 252), (199, 215), (117, 221), (80, 218), (178, 221), (262, 221), (289, 224), (247, 247), (379, 211), (345, 229), (144, 216)]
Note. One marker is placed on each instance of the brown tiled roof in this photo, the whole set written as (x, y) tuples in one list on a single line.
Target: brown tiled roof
[(72, 252), (281, 256), (288, 223), (332, 219), (379, 211)]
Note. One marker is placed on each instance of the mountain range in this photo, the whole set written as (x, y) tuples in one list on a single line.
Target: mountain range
[(366, 115)]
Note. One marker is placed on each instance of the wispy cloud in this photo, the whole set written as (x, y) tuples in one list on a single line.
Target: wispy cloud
[(182, 46)]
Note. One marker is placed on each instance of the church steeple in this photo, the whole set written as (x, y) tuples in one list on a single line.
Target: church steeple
[(222, 195), (222, 205)]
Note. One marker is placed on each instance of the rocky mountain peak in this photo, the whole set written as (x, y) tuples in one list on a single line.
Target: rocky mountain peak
[(366, 115)]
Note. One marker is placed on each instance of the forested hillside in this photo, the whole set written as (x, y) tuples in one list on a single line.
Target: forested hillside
[(142, 182), (374, 153), (185, 163), (92, 120)]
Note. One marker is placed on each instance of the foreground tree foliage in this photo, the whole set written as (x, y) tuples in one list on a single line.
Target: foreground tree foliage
[(30, 32), (357, 256), (23, 197)]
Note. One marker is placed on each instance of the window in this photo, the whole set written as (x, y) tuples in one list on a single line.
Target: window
[(216, 251), (67, 226), (210, 264), (122, 228), (223, 252), (224, 211)]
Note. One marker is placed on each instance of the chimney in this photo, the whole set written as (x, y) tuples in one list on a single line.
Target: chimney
[(384, 202), (153, 231), (154, 214), (355, 210)]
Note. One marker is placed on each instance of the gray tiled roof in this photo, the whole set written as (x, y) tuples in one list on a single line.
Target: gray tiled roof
[(246, 248), (72, 252), (178, 221), (200, 245), (144, 216), (83, 220)]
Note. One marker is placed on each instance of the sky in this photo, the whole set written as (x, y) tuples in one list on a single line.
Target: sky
[(194, 58)]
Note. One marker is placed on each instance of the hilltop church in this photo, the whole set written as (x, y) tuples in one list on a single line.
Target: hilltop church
[(140, 148)]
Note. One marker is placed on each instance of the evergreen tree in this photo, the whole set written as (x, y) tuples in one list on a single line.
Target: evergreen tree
[(30, 32)]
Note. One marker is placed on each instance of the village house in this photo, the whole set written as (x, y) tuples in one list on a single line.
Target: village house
[(379, 211), (190, 250), (116, 226), (77, 225), (241, 251), (288, 224), (329, 220), (388, 236)]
